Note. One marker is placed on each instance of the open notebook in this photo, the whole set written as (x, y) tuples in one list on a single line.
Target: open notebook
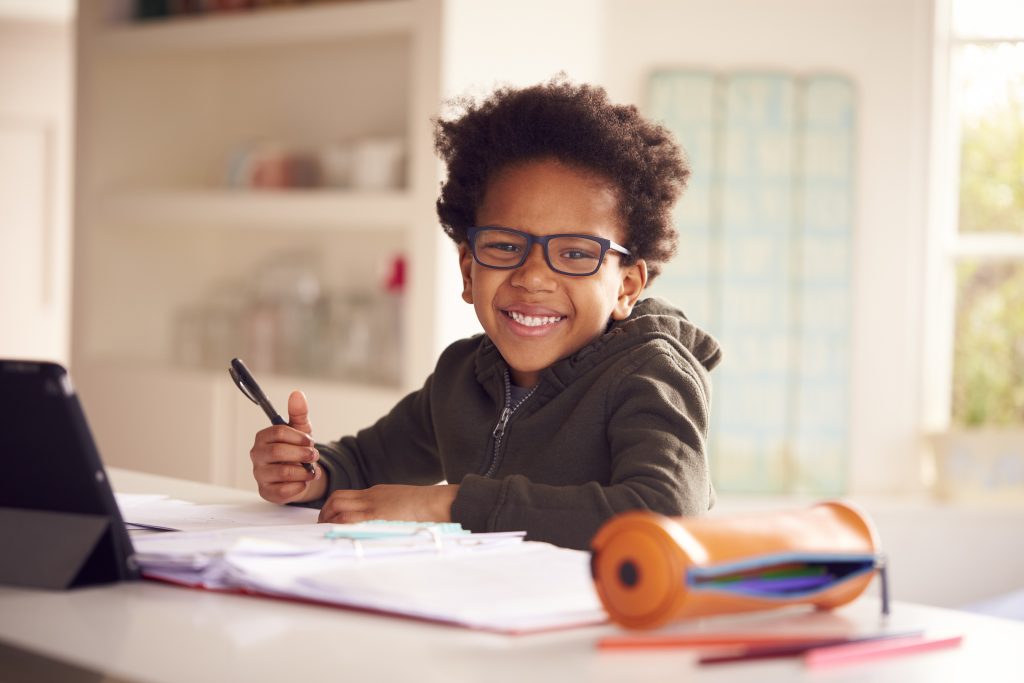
[(495, 582)]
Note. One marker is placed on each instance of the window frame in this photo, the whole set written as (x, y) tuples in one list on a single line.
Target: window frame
[(947, 247)]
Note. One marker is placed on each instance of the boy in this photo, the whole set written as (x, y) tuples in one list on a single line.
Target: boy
[(577, 402)]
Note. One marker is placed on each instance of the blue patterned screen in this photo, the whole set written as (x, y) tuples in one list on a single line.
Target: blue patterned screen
[(764, 265)]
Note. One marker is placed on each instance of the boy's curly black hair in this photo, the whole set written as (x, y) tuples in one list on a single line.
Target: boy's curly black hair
[(577, 125)]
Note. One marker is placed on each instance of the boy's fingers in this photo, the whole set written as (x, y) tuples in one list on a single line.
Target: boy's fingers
[(287, 472), (342, 516), (282, 453), (280, 473), (282, 434), (346, 505), (298, 412)]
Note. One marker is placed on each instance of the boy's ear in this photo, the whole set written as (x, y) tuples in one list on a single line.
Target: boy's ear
[(634, 279), (466, 266)]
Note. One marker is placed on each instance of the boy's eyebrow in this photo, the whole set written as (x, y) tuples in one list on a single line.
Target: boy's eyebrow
[(559, 231)]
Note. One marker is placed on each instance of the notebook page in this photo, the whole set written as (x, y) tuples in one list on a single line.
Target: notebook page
[(524, 587)]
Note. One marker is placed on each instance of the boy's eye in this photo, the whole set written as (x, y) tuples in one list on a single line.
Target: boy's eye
[(576, 255), (506, 247)]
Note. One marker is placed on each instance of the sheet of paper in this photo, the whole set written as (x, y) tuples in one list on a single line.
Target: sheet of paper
[(178, 515), (135, 499)]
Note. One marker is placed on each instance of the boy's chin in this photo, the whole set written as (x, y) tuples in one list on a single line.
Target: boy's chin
[(528, 356), (519, 363)]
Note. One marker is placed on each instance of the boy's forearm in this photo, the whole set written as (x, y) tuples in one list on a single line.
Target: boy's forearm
[(444, 496)]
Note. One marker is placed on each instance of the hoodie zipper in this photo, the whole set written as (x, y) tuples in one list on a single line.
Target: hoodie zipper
[(499, 429)]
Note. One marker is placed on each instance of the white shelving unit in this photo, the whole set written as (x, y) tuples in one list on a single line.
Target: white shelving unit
[(259, 209), (161, 240), (161, 107)]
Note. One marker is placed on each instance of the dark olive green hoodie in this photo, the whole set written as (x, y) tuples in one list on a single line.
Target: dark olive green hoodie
[(620, 424)]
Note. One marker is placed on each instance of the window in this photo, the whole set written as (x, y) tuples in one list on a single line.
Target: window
[(981, 261)]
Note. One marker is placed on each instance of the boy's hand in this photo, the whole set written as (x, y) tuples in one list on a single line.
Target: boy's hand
[(391, 501), (278, 453)]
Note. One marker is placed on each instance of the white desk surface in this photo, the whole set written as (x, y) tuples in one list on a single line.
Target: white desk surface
[(145, 631)]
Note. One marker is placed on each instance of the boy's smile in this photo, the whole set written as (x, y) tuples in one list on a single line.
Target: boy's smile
[(534, 315)]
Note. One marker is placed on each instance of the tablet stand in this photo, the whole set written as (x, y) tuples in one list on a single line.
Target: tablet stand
[(57, 550)]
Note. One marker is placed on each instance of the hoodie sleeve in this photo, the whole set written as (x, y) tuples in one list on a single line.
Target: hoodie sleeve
[(657, 431)]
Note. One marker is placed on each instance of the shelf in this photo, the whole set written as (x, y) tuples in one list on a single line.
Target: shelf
[(259, 209), (281, 383), (355, 19)]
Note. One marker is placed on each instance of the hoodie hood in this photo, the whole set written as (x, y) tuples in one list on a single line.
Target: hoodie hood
[(652, 318)]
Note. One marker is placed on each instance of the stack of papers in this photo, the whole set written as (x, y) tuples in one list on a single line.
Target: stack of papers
[(440, 572)]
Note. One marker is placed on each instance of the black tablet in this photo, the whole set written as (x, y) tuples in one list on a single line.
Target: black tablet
[(59, 522)]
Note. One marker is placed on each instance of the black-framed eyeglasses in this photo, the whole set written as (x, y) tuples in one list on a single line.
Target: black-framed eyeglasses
[(568, 253)]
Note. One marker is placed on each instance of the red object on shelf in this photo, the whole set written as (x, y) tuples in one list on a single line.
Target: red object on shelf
[(395, 281)]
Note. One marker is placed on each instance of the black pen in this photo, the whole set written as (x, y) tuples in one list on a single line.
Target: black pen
[(244, 380)]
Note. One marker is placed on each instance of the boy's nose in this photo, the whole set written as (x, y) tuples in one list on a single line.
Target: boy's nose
[(534, 274)]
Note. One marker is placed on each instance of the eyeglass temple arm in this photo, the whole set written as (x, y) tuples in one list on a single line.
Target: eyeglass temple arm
[(619, 248)]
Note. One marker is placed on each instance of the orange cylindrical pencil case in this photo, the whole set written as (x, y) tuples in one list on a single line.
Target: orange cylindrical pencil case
[(650, 569)]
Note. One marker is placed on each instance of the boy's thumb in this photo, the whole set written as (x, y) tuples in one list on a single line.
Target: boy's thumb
[(298, 412)]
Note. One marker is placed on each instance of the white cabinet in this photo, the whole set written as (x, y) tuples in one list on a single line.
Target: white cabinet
[(177, 269)]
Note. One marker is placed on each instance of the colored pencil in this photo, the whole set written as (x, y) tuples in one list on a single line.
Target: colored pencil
[(855, 653), (793, 649), (739, 639)]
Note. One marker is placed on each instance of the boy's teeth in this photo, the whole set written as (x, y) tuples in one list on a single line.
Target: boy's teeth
[(532, 320)]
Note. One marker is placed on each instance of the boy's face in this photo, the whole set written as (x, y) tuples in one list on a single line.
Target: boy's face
[(534, 315)]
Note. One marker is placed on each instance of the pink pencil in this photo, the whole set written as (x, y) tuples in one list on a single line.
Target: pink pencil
[(876, 649)]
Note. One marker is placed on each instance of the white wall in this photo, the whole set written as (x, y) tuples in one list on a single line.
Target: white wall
[(885, 48), (38, 10), (35, 159)]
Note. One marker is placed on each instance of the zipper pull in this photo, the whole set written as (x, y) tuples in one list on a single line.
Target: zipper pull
[(499, 429)]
